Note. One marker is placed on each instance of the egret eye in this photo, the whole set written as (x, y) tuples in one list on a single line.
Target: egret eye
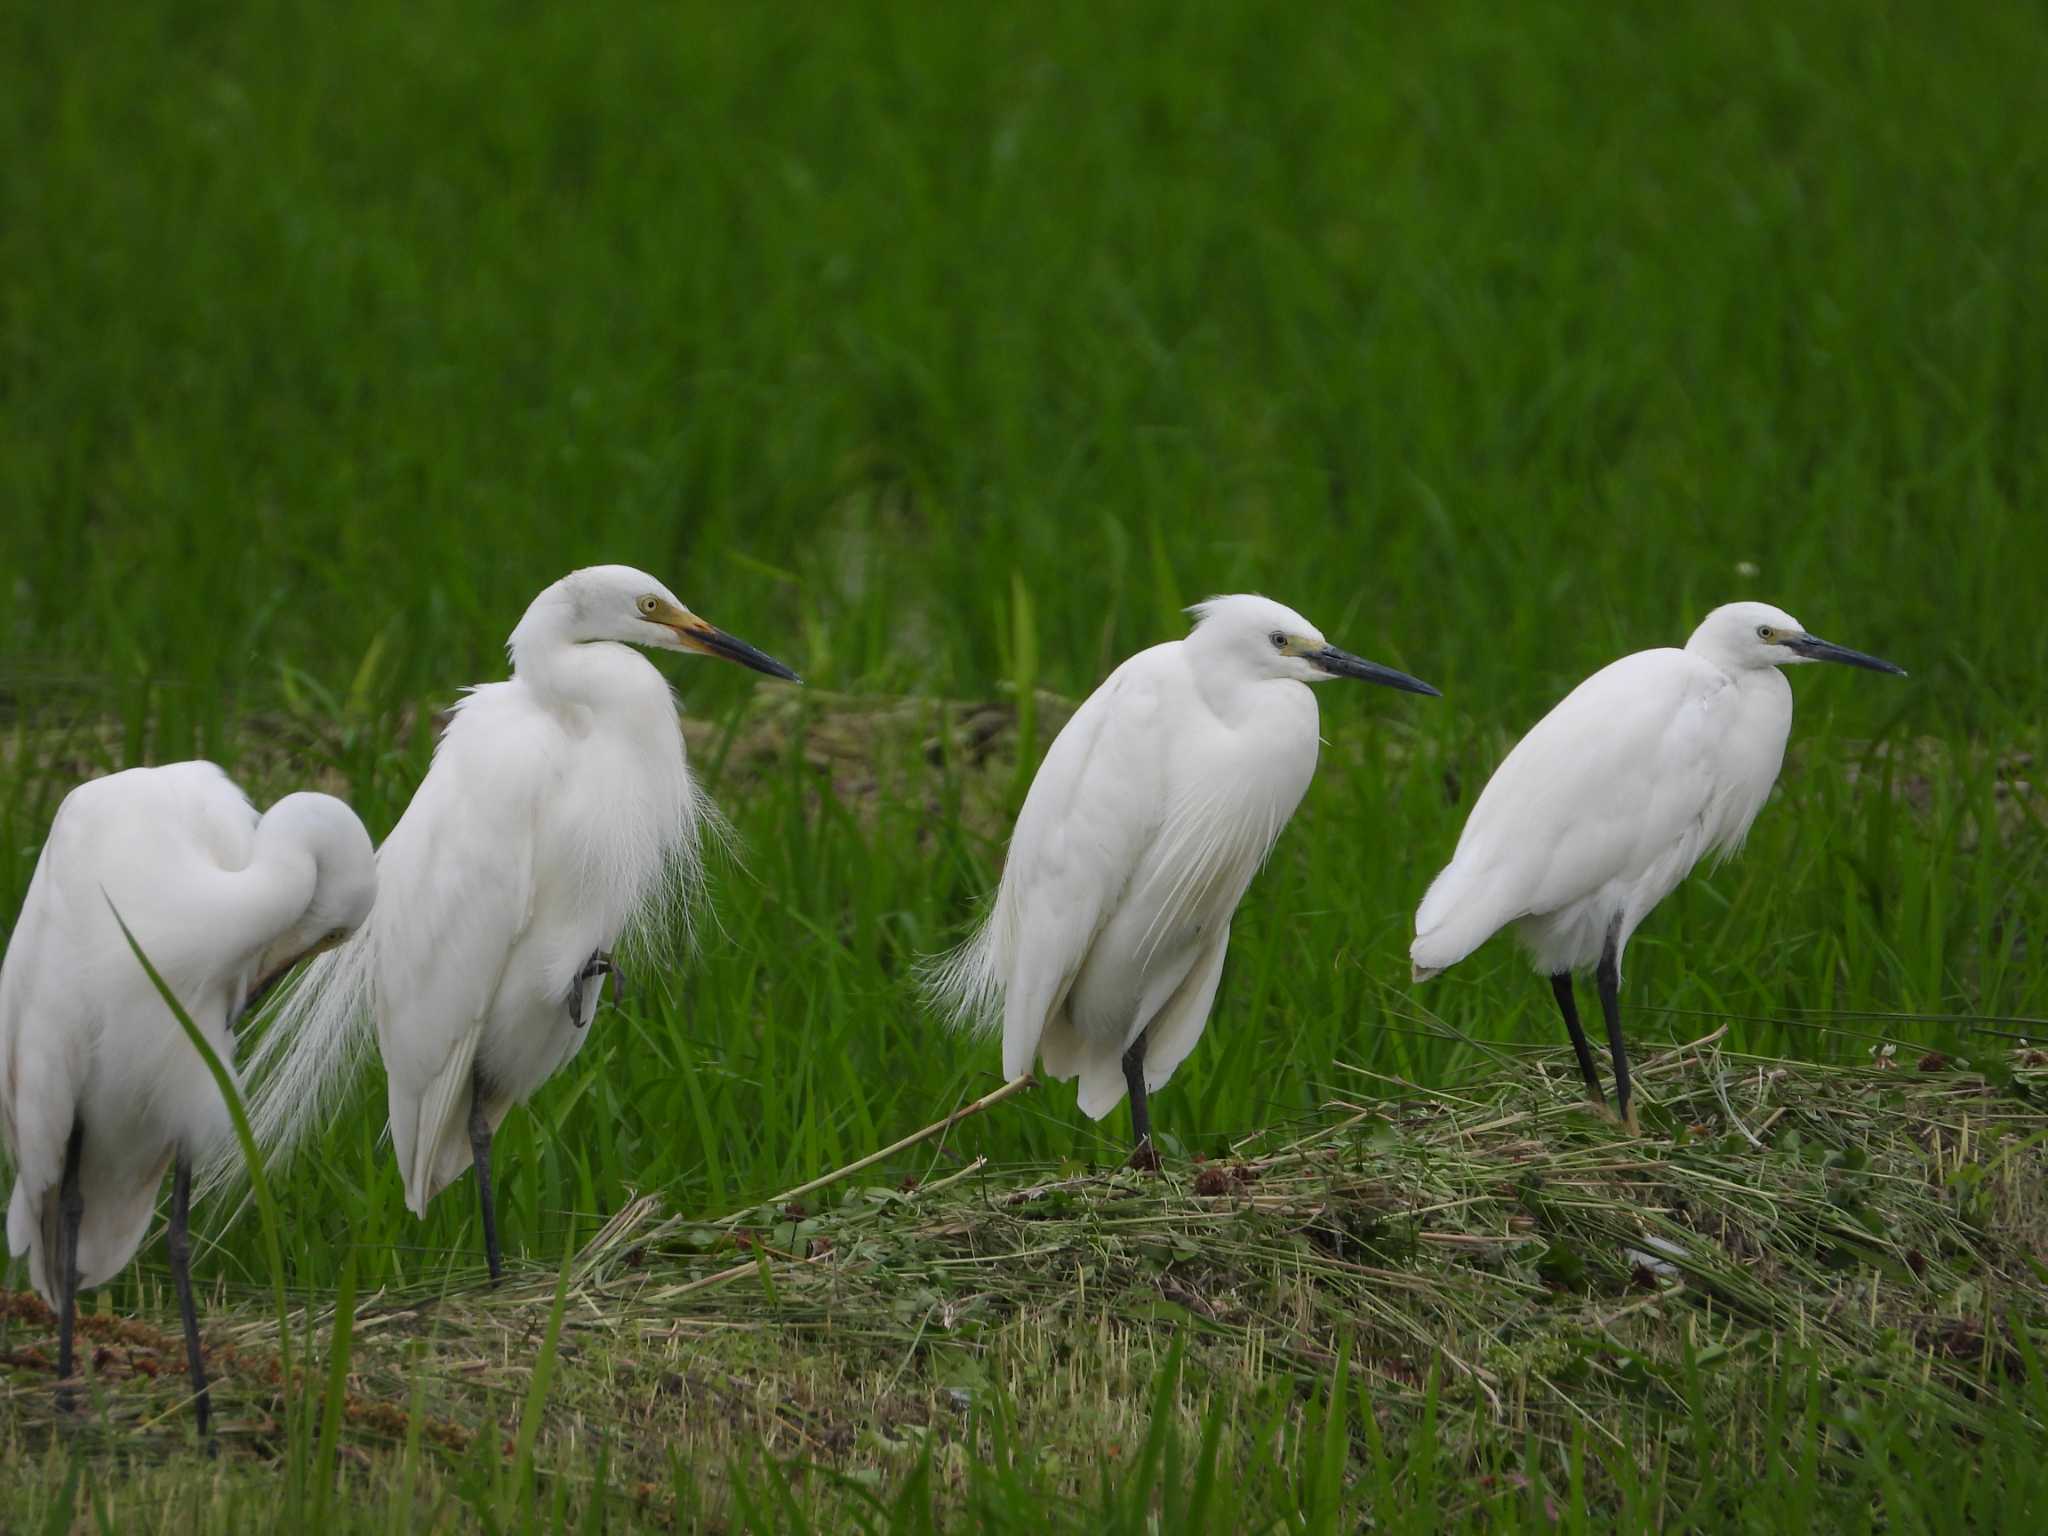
[(1279, 640), (649, 604), (1765, 633)]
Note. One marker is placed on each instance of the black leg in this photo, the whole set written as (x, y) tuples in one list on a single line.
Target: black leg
[(1568, 1005), (480, 1149), (1609, 978), (70, 1212), (178, 1244), (1142, 1153)]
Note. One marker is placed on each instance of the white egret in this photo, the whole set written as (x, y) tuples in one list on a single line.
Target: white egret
[(559, 813), (1597, 814), (99, 1087), (1143, 826)]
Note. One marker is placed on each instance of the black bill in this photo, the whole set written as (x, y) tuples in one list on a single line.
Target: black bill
[(258, 996), (1343, 664), (1813, 648), (713, 641)]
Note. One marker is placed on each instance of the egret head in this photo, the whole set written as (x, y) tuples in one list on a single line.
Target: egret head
[(1750, 636), (1271, 640), (616, 602), (324, 830)]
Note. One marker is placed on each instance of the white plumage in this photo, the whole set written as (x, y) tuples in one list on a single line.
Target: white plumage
[(1597, 814), (1143, 826), (1606, 805), (93, 1067), (559, 813)]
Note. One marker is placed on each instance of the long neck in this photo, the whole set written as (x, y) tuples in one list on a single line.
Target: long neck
[(1710, 646), (602, 676), (270, 901), (563, 672), (1223, 682), (543, 656)]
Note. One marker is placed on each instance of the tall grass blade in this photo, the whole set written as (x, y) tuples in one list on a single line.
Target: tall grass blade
[(537, 1389), (266, 1204), (336, 1403)]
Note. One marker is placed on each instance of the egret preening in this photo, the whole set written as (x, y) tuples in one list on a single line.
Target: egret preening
[(100, 1089), (558, 814), (1146, 821), (1597, 814)]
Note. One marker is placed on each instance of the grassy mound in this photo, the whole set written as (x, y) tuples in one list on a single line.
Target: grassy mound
[(1804, 1293)]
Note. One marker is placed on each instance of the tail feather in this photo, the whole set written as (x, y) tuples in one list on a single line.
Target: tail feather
[(965, 986), (421, 1132), (1100, 1070), (1451, 922)]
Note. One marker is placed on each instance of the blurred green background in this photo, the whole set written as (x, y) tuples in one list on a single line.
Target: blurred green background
[(942, 349)]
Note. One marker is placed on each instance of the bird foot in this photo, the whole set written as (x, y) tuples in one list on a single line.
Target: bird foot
[(599, 964), (1624, 1122)]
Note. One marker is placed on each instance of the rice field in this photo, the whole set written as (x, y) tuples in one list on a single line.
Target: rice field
[(947, 353)]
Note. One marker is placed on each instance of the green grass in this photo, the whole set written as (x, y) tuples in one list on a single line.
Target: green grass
[(1439, 1312), (946, 354)]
